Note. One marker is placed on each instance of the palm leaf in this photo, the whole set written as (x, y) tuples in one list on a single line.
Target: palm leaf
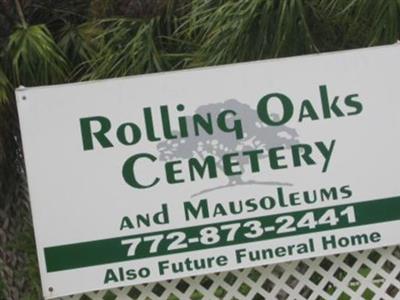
[(237, 31), (363, 23), (130, 47), (35, 57), (80, 43)]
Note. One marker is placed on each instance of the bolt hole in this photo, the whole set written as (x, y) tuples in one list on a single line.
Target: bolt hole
[(51, 289), (23, 97)]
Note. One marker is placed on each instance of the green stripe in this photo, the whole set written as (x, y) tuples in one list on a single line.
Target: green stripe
[(93, 253)]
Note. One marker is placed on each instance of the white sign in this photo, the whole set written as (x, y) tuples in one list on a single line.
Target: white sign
[(161, 176)]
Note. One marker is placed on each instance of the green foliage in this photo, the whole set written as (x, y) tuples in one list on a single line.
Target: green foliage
[(128, 47), (80, 43), (55, 41), (343, 24), (379, 19), (238, 31), (35, 57), (82, 40), (5, 87)]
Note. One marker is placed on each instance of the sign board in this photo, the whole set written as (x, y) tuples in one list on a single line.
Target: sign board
[(161, 176)]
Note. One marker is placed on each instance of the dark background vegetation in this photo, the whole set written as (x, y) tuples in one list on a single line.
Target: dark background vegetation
[(55, 41)]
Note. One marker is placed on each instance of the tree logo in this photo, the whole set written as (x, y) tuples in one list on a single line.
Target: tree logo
[(256, 135)]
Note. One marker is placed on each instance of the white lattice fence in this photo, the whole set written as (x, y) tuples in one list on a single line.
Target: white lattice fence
[(371, 274)]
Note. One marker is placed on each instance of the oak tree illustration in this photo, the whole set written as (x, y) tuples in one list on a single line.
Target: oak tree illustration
[(256, 135)]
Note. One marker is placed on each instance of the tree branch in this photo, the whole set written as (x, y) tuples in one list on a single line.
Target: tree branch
[(20, 13)]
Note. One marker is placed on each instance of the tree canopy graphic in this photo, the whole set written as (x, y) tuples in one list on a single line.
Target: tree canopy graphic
[(256, 135)]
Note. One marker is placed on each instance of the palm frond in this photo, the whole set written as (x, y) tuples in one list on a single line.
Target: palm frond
[(384, 23), (35, 57), (363, 23), (238, 31), (130, 47), (56, 13), (80, 43)]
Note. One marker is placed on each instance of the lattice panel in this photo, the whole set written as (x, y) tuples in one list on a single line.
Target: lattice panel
[(371, 274)]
